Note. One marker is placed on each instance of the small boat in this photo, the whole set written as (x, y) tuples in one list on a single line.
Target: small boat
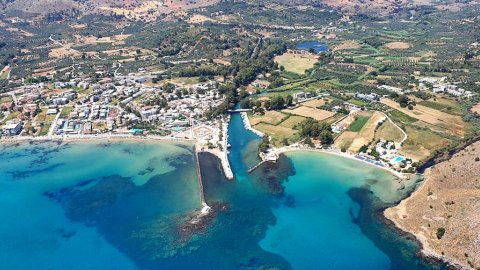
[(229, 145)]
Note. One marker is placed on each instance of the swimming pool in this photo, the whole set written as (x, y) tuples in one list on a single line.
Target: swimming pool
[(399, 159)]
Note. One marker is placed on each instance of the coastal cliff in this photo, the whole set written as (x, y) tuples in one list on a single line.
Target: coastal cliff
[(443, 213)]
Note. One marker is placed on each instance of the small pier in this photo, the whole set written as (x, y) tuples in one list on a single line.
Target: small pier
[(256, 166), (205, 207)]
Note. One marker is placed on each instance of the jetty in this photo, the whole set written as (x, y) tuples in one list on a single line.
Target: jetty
[(253, 168), (205, 207)]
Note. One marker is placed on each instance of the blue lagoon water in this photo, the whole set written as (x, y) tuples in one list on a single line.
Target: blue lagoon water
[(123, 205), (317, 46)]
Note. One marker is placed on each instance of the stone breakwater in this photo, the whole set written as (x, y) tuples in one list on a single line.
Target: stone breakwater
[(224, 153), (249, 127)]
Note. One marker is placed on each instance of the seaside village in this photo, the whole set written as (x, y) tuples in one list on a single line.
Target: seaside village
[(123, 105), (134, 105)]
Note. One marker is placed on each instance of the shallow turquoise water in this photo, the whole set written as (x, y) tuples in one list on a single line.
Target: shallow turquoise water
[(57, 201), (320, 223), (122, 206)]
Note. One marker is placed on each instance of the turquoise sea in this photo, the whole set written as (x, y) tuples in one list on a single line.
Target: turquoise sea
[(123, 205)]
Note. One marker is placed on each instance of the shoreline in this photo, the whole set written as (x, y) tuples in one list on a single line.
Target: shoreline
[(222, 155), (205, 208), (429, 257), (85, 138), (388, 216), (296, 148), (248, 126)]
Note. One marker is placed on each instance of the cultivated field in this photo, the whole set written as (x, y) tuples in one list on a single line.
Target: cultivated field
[(453, 124), (198, 18), (270, 117), (296, 62), (367, 133), (292, 121), (447, 105), (359, 122), (316, 114), (314, 103), (421, 143), (389, 132), (278, 132), (397, 45), (347, 121), (347, 45)]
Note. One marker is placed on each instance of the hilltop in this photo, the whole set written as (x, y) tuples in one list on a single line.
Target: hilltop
[(130, 9), (148, 10)]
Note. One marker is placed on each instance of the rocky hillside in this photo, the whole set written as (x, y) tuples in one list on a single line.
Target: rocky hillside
[(443, 213), (107, 7)]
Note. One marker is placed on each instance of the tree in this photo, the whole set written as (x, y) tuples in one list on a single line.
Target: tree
[(266, 104), (277, 103), (363, 149), (309, 142), (326, 136), (263, 146), (245, 103), (403, 100), (311, 128), (440, 233), (289, 100)]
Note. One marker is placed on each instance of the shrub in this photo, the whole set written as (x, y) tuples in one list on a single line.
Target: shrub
[(440, 233)]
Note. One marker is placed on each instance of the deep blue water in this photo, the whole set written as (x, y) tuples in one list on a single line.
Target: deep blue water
[(123, 206), (317, 46)]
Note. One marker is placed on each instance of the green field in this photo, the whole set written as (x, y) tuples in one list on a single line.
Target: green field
[(66, 111), (44, 130), (398, 116), (358, 102), (358, 124), (447, 106), (292, 121), (389, 132), (433, 105)]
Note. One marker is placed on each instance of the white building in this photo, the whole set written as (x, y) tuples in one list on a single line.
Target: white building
[(12, 127), (392, 89)]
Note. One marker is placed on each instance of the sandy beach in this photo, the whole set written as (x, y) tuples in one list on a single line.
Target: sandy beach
[(337, 152)]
